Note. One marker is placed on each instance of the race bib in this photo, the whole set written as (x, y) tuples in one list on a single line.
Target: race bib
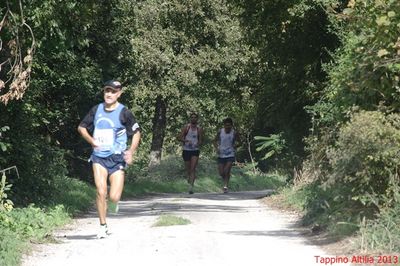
[(104, 138)]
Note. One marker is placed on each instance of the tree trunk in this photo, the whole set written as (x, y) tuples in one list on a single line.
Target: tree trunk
[(253, 163), (159, 124)]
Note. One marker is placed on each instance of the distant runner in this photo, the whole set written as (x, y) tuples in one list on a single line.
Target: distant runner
[(191, 137), (107, 128), (225, 142)]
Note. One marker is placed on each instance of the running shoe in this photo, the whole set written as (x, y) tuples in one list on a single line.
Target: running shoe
[(225, 189), (103, 232)]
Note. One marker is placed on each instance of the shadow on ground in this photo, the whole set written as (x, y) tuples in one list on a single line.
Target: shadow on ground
[(179, 204)]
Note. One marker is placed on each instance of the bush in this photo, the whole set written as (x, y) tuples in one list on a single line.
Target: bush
[(366, 156), (28, 224), (75, 195), (381, 235), (10, 247)]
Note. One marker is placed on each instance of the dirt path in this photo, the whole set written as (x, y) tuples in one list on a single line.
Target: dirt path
[(226, 229)]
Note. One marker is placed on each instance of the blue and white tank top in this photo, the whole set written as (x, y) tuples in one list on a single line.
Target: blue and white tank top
[(226, 143), (109, 133), (191, 139)]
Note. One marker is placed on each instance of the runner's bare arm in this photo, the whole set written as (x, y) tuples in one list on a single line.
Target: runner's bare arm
[(85, 134), (181, 136), (128, 155)]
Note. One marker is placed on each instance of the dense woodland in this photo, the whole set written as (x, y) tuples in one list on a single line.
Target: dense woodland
[(319, 79)]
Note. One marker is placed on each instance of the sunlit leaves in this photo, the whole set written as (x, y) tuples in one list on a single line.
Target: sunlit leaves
[(383, 21), (365, 71), (382, 52)]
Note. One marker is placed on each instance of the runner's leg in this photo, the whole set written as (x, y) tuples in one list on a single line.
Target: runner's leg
[(193, 164), (187, 169), (221, 170), (227, 173), (116, 185), (100, 180), (186, 160)]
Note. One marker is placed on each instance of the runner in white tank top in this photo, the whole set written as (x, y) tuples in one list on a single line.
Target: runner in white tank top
[(191, 137), (191, 140), (225, 142)]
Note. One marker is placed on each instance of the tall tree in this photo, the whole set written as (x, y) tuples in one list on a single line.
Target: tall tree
[(293, 41), (185, 54)]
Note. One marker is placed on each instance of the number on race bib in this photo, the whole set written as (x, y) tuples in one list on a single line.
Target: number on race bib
[(104, 138)]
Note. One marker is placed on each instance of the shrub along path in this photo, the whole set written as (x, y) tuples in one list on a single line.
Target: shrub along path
[(225, 229)]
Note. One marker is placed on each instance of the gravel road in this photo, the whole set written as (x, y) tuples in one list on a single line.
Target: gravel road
[(225, 229)]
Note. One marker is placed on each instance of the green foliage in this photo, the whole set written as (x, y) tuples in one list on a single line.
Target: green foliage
[(189, 55), (33, 224), (381, 235), (353, 152), (366, 156), (5, 203), (40, 166), (326, 209), (42, 137), (364, 72), (11, 247), (28, 224), (354, 177), (274, 144), (291, 41), (76, 196)]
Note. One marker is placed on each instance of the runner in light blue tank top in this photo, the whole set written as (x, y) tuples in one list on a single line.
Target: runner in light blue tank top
[(107, 128), (109, 133)]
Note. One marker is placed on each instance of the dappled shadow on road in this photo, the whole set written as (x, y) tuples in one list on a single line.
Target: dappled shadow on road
[(156, 204), (240, 195), (181, 203), (81, 237), (286, 233), (237, 195)]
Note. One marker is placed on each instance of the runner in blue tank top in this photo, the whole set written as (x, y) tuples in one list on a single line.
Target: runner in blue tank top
[(107, 128)]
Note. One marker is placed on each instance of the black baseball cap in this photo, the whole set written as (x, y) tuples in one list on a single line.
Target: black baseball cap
[(112, 84)]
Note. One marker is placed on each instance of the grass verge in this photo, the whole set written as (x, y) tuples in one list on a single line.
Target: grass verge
[(170, 220), (325, 208), (34, 224), (170, 177), (355, 227)]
